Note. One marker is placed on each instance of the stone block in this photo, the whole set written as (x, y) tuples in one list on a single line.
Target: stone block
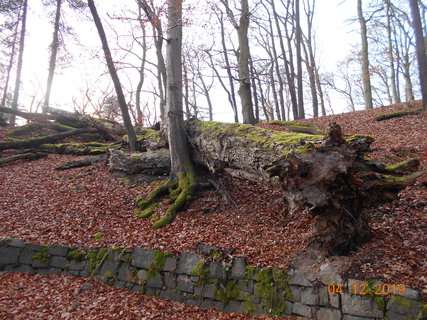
[(296, 293), (328, 314), (170, 264), (238, 269), (358, 305), (142, 258), (142, 276), (109, 268), (16, 243), (77, 266), (124, 273), (120, 284), (26, 256), (38, 263), (395, 316), (45, 271), (349, 317), (309, 296), (323, 296), (411, 294), (21, 268), (59, 262), (187, 263), (246, 285), (300, 279), (185, 284), (406, 307), (329, 277), (209, 291), (171, 295), (302, 310), (149, 291), (216, 271), (156, 281), (56, 250), (9, 255), (234, 307), (170, 280), (35, 247)]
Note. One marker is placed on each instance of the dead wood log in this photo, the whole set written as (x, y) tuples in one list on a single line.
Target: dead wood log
[(151, 162), (34, 142), (83, 162), (325, 178), (23, 156)]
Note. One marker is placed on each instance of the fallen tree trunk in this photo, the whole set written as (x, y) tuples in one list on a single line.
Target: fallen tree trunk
[(83, 162), (23, 156), (327, 178), (34, 142), (324, 177)]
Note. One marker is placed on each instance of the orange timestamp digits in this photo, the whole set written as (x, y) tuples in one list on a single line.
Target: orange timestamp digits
[(363, 288)]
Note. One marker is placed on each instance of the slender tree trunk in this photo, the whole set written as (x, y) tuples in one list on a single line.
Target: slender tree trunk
[(141, 71), (288, 65), (298, 35), (115, 78), (254, 90), (207, 95), (243, 65), (54, 52), (394, 87), (232, 94), (20, 61), (186, 89), (9, 67), (320, 91), (158, 43), (366, 76), (420, 48), (275, 61)]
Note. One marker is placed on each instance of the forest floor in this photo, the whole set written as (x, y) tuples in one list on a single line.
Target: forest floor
[(41, 205)]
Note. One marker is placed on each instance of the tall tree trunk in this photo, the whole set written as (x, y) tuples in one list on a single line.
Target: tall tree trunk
[(421, 49), (254, 90), (10, 65), (232, 94), (275, 61), (366, 76), (20, 61), (141, 71), (54, 52), (288, 65), (394, 87), (158, 43), (115, 78), (298, 36), (243, 65)]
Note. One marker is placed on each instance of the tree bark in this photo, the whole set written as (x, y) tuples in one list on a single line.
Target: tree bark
[(366, 76), (54, 51), (111, 68), (420, 48), (298, 35), (20, 61)]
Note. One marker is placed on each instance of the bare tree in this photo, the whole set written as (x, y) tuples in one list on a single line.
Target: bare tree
[(243, 58), (115, 78), (420, 48), (20, 61), (366, 76)]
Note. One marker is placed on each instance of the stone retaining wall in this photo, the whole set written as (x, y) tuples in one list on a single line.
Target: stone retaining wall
[(212, 279)]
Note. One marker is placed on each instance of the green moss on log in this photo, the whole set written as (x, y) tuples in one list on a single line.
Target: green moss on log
[(309, 128), (398, 114), (258, 137), (358, 136), (145, 134), (86, 148), (37, 126), (23, 156)]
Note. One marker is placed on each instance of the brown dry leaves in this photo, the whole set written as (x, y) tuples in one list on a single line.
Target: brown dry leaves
[(29, 296), (42, 205)]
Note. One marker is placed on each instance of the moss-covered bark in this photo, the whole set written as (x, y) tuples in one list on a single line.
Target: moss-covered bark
[(23, 156), (398, 114)]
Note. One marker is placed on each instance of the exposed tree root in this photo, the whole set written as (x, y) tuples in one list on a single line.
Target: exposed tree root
[(180, 193)]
